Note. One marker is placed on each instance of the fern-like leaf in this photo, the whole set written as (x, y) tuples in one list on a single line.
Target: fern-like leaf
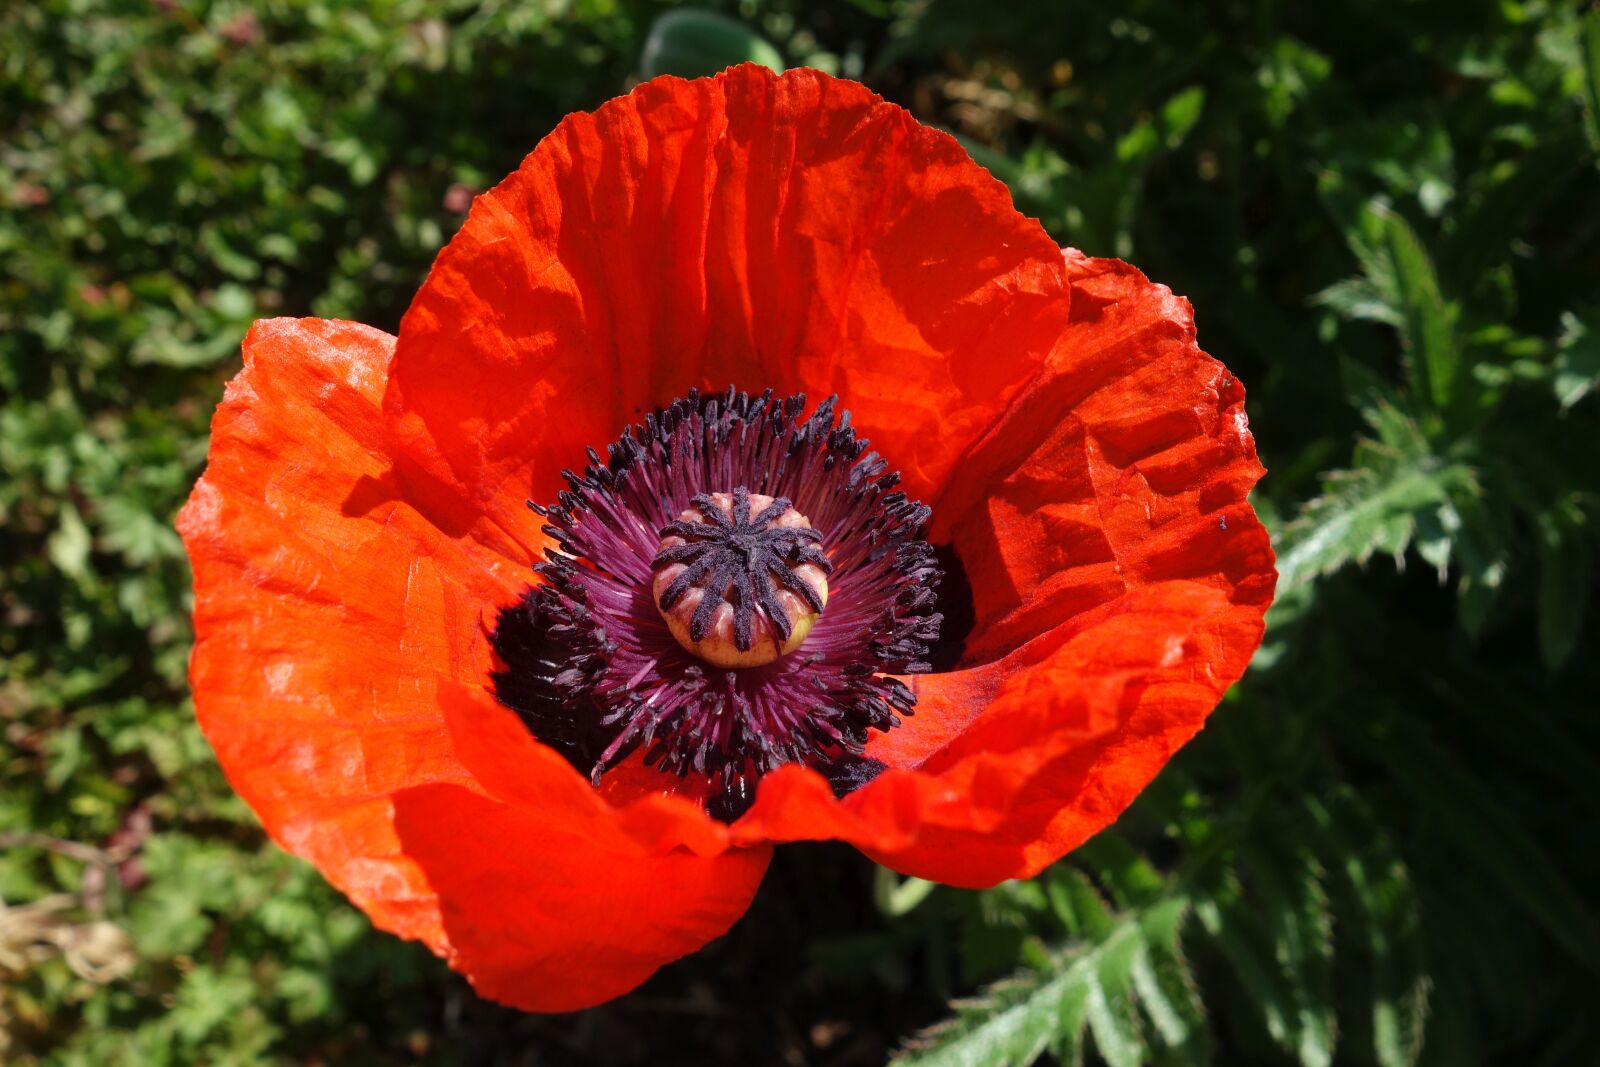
[(1398, 486), (1102, 989)]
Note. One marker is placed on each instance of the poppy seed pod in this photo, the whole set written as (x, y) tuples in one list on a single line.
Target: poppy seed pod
[(737, 580)]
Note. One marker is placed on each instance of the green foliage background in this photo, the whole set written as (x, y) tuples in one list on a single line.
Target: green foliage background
[(1387, 214)]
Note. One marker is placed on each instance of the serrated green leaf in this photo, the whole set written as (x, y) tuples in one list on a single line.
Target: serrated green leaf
[(1366, 510), (1360, 222), (1435, 358), (1090, 984), (1113, 1022), (1166, 989), (1079, 904), (1170, 1018), (1251, 963), (1479, 548), (1387, 915), (1011, 1025), (1285, 895), (1401, 986)]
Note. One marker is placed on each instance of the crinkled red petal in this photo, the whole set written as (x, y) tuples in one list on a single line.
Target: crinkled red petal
[(794, 233), (1120, 579), (337, 630)]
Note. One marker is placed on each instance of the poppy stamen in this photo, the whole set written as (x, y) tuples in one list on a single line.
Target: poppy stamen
[(681, 612)]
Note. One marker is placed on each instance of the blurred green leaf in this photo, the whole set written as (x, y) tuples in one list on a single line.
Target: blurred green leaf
[(1590, 35), (1577, 366), (1565, 574), (900, 896), (695, 44), (69, 545)]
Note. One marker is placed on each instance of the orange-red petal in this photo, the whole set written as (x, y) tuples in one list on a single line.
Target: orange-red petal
[(550, 901), (1126, 464), (1120, 579), (795, 233), (336, 628)]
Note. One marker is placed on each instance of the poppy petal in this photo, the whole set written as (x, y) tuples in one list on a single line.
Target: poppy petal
[(793, 232), (1127, 463), (337, 629), (1119, 578), (551, 902), (541, 918), (321, 623)]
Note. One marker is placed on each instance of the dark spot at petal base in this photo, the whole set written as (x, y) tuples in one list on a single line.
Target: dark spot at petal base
[(851, 773), (956, 606), (845, 775), (534, 656)]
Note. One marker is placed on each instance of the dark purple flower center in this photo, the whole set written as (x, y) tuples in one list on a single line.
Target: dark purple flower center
[(732, 589)]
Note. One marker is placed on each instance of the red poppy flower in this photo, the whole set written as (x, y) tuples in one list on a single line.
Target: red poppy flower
[(558, 744)]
